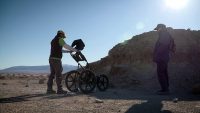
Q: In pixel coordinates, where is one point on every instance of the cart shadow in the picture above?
(30, 97)
(20, 98)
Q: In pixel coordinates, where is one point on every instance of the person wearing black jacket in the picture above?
(161, 56)
(55, 62)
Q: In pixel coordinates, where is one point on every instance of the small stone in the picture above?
(98, 101)
(197, 106)
(175, 100)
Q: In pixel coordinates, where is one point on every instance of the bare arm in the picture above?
(66, 46)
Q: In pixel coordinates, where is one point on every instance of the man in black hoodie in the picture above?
(55, 62)
(163, 48)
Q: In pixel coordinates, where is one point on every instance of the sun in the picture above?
(176, 4)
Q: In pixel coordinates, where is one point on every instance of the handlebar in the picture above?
(78, 56)
(66, 51)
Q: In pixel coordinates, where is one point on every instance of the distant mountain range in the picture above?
(35, 69)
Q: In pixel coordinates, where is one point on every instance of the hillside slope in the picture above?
(130, 63)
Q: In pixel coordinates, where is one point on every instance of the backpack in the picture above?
(78, 44)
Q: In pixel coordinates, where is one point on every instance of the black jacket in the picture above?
(164, 45)
(56, 49)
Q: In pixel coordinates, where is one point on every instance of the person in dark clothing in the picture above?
(55, 62)
(163, 48)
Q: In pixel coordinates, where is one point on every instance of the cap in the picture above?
(160, 26)
(61, 32)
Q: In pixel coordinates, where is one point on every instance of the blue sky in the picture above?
(28, 26)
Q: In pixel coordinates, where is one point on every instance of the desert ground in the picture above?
(27, 94)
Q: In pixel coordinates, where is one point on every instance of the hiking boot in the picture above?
(61, 92)
(163, 92)
(51, 92)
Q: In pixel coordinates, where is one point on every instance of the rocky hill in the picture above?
(130, 63)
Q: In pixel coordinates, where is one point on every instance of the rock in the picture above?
(119, 69)
(98, 101)
(175, 100)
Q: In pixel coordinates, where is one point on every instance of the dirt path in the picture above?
(15, 97)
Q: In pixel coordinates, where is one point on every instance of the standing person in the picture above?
(164, 46)
(55, 62)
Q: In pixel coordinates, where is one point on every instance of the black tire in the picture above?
(71, 80)
(102, 82)
(87, 81)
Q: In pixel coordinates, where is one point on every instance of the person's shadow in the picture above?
(29, 97)
(146, 102)
(151, 106)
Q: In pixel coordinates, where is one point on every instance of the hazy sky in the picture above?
(28, 26)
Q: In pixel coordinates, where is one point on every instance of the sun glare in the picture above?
(176, 4)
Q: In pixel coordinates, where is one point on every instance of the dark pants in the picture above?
(56, 71)
(162, 71)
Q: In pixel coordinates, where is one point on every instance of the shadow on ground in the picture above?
(151, 106)
(150, 102)
(30, 97)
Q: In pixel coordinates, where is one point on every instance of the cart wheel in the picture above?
(102, 82)
(87, 81)
(71, 81)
